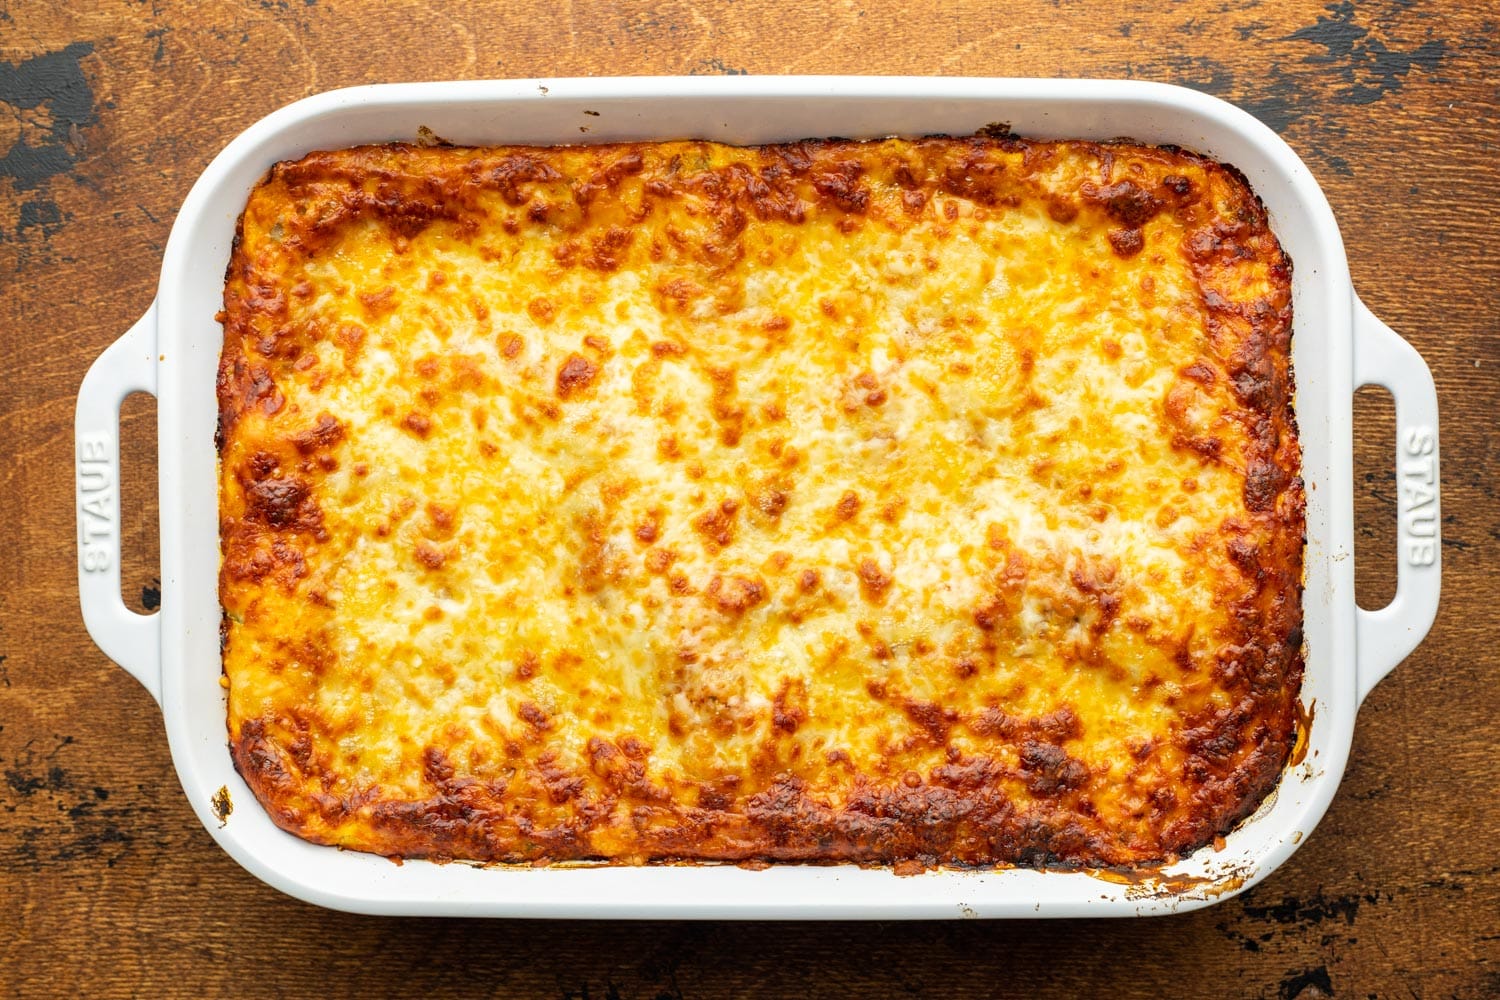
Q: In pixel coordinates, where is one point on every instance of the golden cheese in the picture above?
(927, 501)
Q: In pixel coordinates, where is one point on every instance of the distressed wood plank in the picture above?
(108, 114)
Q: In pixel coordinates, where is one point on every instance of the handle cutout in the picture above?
(1374, 498)
(140, 540)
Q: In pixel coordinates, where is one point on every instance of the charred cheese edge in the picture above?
(913, 501)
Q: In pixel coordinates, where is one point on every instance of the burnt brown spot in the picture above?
(934, 720)
(418, 423)
(542, 310)
(989, 614)
(1253, 382)
(1126, 202)
(442, 517)
(1264, 481)
(436, 768)
(607, 251)
(1200, 371)
(263, 465)
(593, 563)
(378, 303)
(736, 594)
(847, 506)
(770, 192)
(575, 375)
(1245, 556)
(1048, 769)
(1126, 243)
(726, 408)
(786, 712)
(430, 555)
(1097, 584)
(1061, 210)
(678, 292)
(770, 501)
(646, 531)
(974, 177)
(561, 783)
(326, 433)
(1056, 726)
(1216, 739)
(280, 503)
(712, 798)
(716, 525)
(842, 187)
(873, 581)
(1208, 448)
(515, 176)
(533, 715)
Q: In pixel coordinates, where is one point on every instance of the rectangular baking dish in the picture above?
(1338, 345)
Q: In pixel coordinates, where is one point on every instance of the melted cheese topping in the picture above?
(910, 500)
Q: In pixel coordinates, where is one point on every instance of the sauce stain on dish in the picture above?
(222, 805)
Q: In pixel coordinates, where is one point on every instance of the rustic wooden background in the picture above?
(109, 110)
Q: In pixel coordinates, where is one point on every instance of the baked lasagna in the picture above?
(913, 502)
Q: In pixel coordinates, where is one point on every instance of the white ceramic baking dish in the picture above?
(172, 352)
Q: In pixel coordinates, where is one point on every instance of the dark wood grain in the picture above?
(109, 886)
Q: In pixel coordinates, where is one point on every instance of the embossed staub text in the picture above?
(1419, 496)
(95, 508)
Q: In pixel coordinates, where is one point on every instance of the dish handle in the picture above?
(128, 365)
(1385, 637)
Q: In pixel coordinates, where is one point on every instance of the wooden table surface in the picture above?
(110, 887)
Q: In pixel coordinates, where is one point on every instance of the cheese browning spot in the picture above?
(575, 375)
(736, 594)
(912, 502)
(847, 506)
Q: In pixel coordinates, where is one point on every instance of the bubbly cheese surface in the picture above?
(927, 501)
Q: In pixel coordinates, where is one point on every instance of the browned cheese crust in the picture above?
(927, 502)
